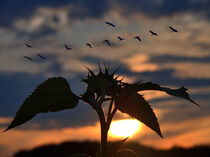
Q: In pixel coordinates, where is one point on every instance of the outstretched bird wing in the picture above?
(153, 33)
(173, 29)
(28, 58)
(41, 56)
(89, 45)
(110, 24)
(107, 41)
(68, 48)
(120, 38)
(27, 45)
(138, 38)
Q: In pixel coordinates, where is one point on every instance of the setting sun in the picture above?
(124, 128)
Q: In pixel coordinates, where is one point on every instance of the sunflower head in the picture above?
(104, 81)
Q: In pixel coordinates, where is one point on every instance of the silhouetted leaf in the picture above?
(126, 153)
(79, 155)
(180, 92)
(51, 96)
(136, 106)
(114, 147)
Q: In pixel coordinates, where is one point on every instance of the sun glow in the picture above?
(124, 128)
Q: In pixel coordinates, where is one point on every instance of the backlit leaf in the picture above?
(179, 92)
(136, 106)
(126, 153)
(51, 96)
(114, 147)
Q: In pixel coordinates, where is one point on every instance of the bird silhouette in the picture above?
(107, 42)
(138, 38)
(110, 24)
(67, 47)
(89, 45)
(152, 33)
(120, 38)
(173, 29)
(29, 46)
(28, 58)
(41, 56)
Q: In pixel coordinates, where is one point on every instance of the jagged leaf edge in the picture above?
(12, 124)
(155, 128)
(179, 92)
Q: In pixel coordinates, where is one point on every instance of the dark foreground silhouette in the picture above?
(67, 148)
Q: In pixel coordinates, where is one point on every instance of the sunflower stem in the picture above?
(110, 117)
(103, 124)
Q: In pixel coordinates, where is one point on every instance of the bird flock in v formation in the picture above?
(68, 48)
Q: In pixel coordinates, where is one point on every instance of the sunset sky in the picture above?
(169, 59)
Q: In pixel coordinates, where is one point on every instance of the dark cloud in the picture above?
(82, 115)
(44, 31)
(89, 9)
(14, 89)
(203, 46)
(11, 10)
(38, 33)
(176, 59)
(157, 8)
(184, 110)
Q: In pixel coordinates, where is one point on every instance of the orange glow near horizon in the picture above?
(124, 128)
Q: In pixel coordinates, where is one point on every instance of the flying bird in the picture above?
(29, 58)
(138, 38)
(107, 42)
(89, 45)
(152, 33)
(67, 47)
(110, 24)
(41, 56)
(173, 29)
(120, 38)
(29, 46)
